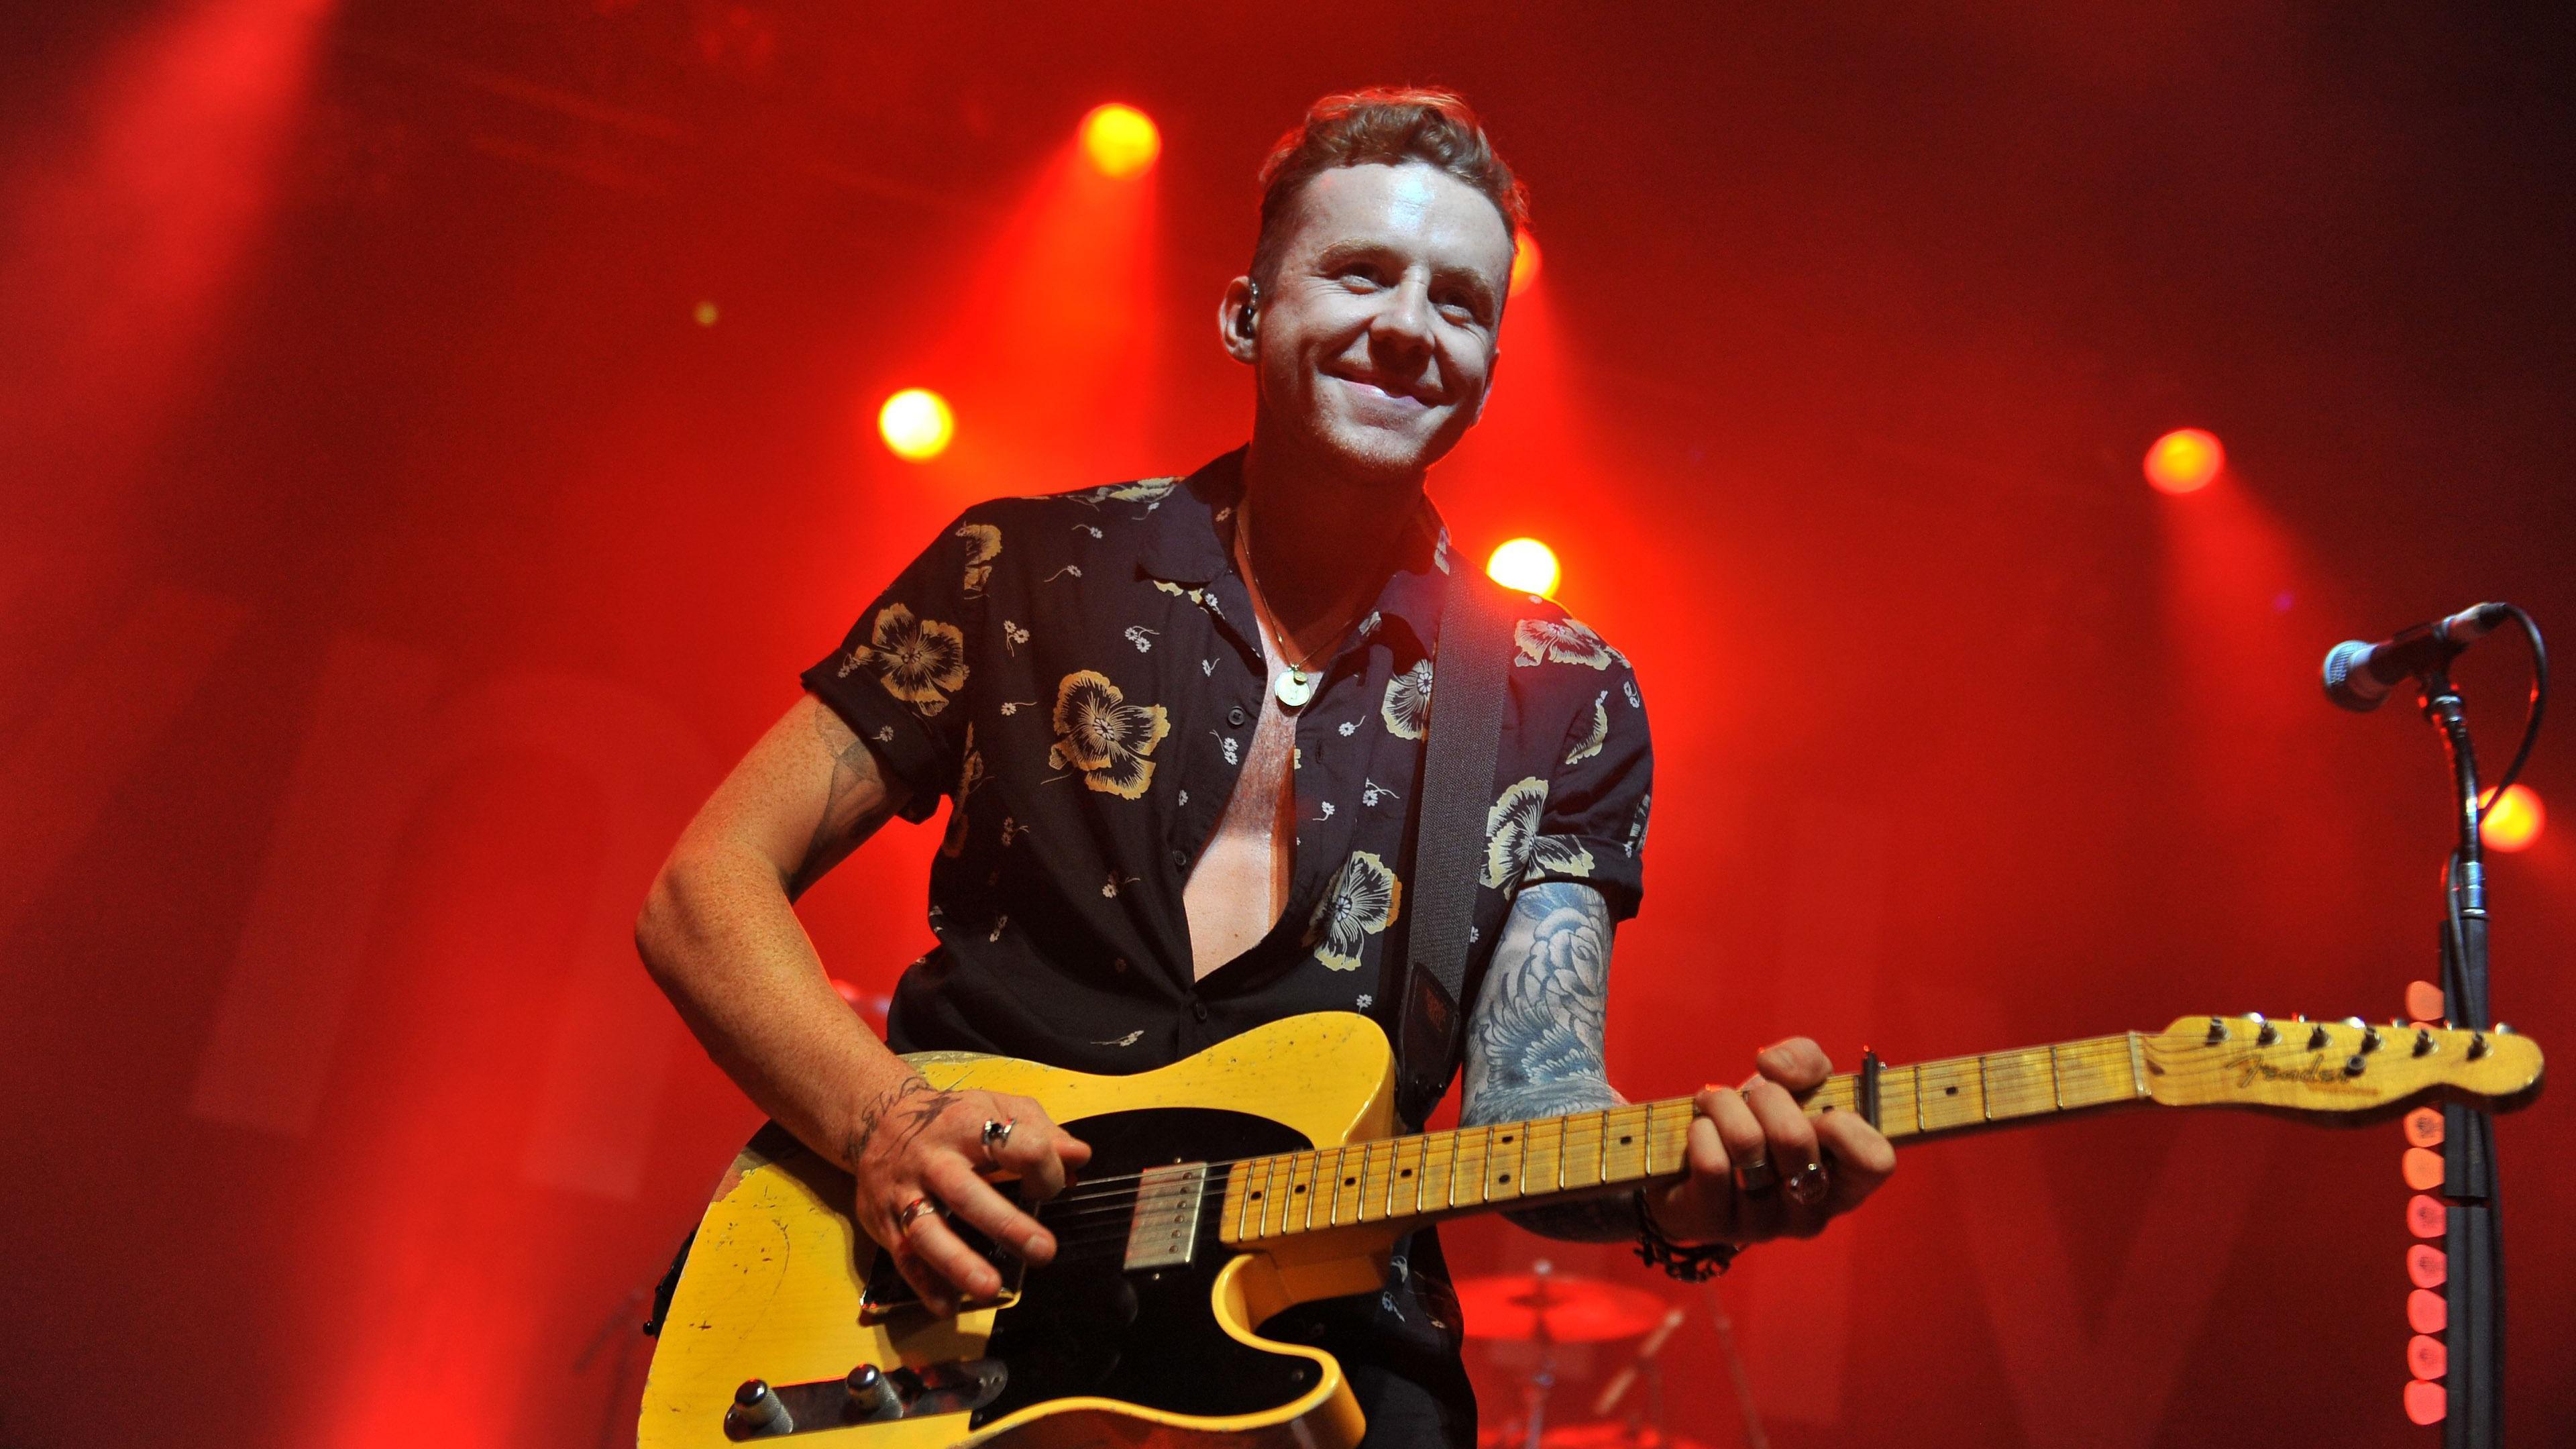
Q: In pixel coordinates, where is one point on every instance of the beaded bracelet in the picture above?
(1691, 1265)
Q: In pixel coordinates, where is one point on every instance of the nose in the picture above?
(1403, 325)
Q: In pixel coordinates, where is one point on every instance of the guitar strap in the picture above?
(1465, 734)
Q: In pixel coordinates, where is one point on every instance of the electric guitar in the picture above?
(1262, 1173)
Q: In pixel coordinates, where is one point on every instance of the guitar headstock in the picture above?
(2330, 1066)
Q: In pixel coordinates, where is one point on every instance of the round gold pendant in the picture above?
(1294, 687)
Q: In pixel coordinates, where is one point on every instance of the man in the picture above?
(1181, 725)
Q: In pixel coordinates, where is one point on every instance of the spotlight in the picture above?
(1525, 262)
(1524, 564)
(1121, 140)
(2513, 822)
(916, 424)
(2185, 460)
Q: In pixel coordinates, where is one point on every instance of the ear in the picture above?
(1229, 321)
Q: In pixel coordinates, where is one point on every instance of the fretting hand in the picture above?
(1760, 1167)
(921, 1154)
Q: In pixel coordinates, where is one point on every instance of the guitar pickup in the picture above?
(1165, 1230)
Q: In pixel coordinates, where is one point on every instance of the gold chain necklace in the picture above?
(1294, 687)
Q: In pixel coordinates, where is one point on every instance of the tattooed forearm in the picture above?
(1534, 1043)
(907, 1108)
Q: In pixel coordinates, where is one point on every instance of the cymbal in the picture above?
(1569, 1307)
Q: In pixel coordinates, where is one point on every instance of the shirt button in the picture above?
(1234, 716)
(1180, 857)
(1198, 1010)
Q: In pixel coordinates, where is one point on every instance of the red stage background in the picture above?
(436, 435)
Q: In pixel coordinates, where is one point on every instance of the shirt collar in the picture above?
(1190, 542)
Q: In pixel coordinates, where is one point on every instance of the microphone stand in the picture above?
(2472, 1248)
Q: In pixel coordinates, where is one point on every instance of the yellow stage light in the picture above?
(2513, 822)
(1524, 564)
(2185, 460)
(1121, 140)
(916, 424)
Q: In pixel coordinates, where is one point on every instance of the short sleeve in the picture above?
(898, 678)
(1592, 829)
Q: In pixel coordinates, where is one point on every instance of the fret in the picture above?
(1949, 1094)
(1579, 1152)
(1504, 1163)
(1377, 1178)
(2018, 1083)
(1543, 1160)
(2093, 1073)
(1506, 1154)
(1439, 1162)
(1900, 1112)
(1623, 1147)
(1467, 1168)
(1346, 1182)
(1668, 1136)
(1299, 1194)
(1271, 1218)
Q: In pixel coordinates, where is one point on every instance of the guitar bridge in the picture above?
(1165, 1230)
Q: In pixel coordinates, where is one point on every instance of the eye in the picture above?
(1364, 273)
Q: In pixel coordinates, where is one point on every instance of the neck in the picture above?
(1322, 541)
(1517, 1165)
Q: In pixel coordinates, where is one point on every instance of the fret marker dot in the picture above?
(1506, 1177)
(1624, 1141)
(1350, 1182)
(1301, 1187)
(1949, 1091)
(1408, 1172)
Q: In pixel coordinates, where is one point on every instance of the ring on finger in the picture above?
(1807, 1186)
(997, 1135)
(919, 1206)
(1757, 1176)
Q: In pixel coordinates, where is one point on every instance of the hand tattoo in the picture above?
(911, 1104)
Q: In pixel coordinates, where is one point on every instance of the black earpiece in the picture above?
(1243, 319)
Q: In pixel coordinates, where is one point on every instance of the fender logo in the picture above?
(2250, 1068)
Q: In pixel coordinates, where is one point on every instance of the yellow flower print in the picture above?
(1365, 899)
(1566, 641)
(1590, 744)
(983, 545)
(1103, 736)
(1407, 707)
(919, 661)
(1514, 850)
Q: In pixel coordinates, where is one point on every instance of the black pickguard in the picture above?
(1086, 1326)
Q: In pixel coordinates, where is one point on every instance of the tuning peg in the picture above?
(2370, 1038)
(2423, 1042)
(2477, 1045)
(2217, 1030)
(2354, 1021)
(2316, 1038)
(2265, 1032)
(2503, 1029)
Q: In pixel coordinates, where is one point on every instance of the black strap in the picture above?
(1467, 694)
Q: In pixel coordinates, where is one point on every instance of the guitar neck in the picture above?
(1512, 1165)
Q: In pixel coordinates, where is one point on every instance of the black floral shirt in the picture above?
(1080, 675)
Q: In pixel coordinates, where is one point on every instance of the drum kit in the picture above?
(1544, 1308)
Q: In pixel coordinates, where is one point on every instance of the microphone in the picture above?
(2358, 676)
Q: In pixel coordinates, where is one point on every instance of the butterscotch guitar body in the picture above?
(1089, 1351)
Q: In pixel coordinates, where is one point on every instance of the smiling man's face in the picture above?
(1376, 341)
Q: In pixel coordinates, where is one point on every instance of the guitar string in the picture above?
(2112, 1050)
(1085, 1241)
(2002, 1101)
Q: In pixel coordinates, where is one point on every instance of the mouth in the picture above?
(1384, 391)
